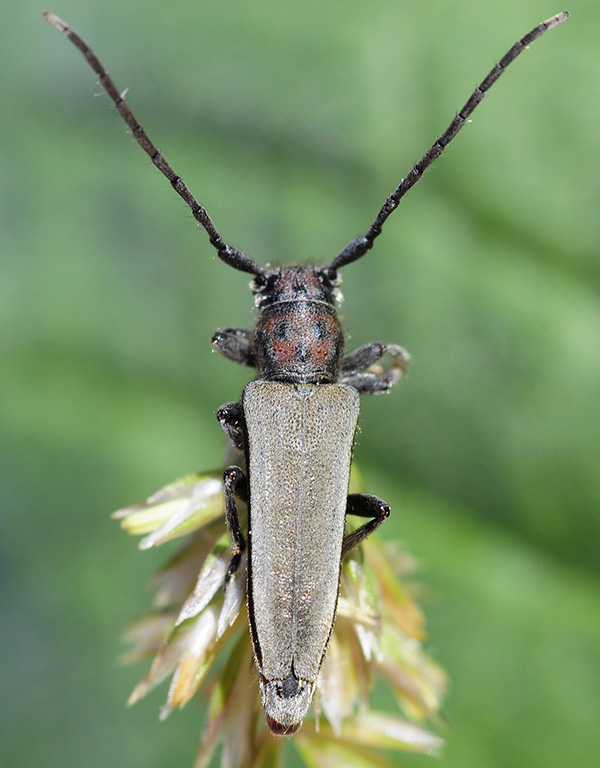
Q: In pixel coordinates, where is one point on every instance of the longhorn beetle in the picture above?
(295, 425)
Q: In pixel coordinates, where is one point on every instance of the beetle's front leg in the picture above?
(236, 344)
(379, 378)
(364, 505)
(236, 485)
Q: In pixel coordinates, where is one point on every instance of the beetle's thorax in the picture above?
(298, 336)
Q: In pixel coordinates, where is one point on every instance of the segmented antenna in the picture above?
(358, 247)
(228, 253)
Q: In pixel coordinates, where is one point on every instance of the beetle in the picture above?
(295, 426)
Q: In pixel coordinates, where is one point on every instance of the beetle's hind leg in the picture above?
(236, 485)
(378, 378)
(231, 416)
(364, 505)
(236, 344)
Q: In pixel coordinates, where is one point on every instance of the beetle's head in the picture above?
(296, 283)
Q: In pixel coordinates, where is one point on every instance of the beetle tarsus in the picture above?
(364, 505)
(369, 383)
(363, 357)
(378, 378)
(236, 344)
(231, 417)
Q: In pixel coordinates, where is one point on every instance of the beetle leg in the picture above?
(236, 344)
(231, 416)
(378, 378)
(236, 484)
(369, 383)
(364, 505)
(362, 358)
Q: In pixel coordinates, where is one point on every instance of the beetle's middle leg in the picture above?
(378, 378)
(236, 485)
(364, 505)
(231, 418)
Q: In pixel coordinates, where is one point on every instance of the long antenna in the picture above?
(228, 253)
(358, 247)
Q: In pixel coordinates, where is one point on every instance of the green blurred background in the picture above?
(291, 122)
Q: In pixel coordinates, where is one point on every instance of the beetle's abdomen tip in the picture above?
(286, 703)
(279, 729)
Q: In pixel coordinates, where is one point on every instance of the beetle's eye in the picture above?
(321, 331)
(282, 331)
